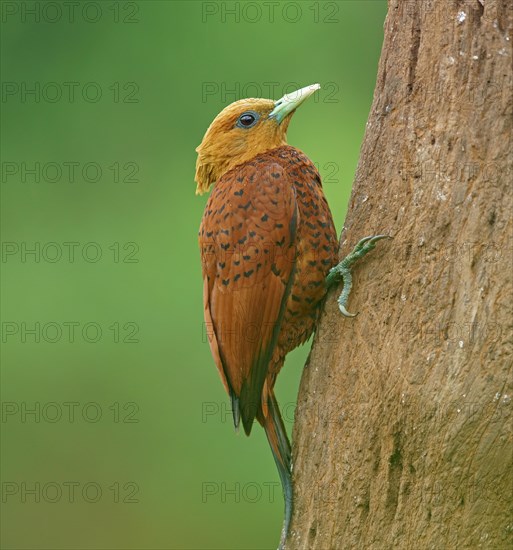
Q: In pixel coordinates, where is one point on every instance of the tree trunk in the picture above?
(403, 434)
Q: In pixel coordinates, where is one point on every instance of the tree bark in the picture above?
(403, 433)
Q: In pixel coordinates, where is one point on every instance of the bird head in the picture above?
(243, 130)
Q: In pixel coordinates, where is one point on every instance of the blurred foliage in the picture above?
(102, 108)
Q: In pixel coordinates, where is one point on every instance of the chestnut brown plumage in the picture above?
(268, 242)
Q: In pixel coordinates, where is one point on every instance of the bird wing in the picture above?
(247, 239)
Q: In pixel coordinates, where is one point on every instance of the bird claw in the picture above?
(343, 270)
(346, 313)
(366, 245)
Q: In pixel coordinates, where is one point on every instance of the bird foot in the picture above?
(342, 271)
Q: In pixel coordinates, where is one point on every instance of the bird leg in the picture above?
(342, 271)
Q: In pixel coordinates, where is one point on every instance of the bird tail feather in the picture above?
(280, 447)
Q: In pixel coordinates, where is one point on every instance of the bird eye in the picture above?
(247, 120)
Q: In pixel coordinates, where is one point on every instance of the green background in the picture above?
(165, 426)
